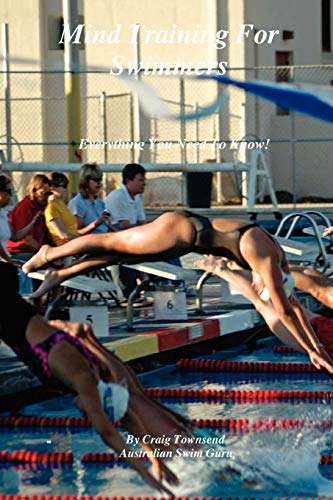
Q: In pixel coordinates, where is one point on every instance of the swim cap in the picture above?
(288, 285)
(114, 399)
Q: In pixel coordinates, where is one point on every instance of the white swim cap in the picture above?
(288, 285)
(265, 297)
(114, 399)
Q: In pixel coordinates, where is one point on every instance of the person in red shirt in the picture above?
(34, 202)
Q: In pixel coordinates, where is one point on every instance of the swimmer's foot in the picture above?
(51, 280)
(37, 261)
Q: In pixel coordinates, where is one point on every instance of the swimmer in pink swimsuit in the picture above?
(63, 361)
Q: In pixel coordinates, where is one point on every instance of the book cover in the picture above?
(226, 104)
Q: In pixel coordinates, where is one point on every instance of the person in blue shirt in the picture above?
(87, 206)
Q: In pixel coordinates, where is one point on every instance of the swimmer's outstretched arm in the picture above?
(242, 280)
(137, 429)
(317, 354)
(71, 367)
(293, 317)
(91, 404)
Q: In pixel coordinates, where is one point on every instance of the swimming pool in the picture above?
(280, 462)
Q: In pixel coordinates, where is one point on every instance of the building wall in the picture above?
(41, 112)
(304, 19)
(151, 15)
(25, 49)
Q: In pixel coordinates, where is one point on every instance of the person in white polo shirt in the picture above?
(125, 204)
(126, 207)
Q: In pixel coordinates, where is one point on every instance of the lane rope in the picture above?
(242, 396)
(22, 456)
(225, 424)
(213, 365)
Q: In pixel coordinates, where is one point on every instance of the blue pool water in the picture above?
(277, 463)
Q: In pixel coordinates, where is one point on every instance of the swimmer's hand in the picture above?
(208, 263)
(155, 483)
(212, 264)
(327, 231)
(162, 472)
(320, 359)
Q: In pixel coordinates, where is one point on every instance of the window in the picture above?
(283, 74)
(288, 35)
(55, 29)
(326, 25)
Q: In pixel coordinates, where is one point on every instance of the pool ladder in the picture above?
(322, 259)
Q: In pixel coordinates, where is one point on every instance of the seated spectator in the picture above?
(87, 204)
(125, 204)
(8, 234)
(127, 210)
(24, 212)
(60, 221)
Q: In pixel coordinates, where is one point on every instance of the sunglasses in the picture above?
(95, 179)
(7, 190)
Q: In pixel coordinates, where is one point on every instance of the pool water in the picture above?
(277, 463)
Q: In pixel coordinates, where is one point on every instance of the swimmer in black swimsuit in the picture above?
(224, 244)
(205, 239)
(174, 234)
(80, 364)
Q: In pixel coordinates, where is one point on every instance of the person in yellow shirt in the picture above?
(60, 221)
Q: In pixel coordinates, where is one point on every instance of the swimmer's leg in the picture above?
(170, 230)
(54, 277)
(314, 283)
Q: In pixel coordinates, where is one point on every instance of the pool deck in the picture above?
(151, 336)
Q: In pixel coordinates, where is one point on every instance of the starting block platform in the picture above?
(84, 285)
(81, 283)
